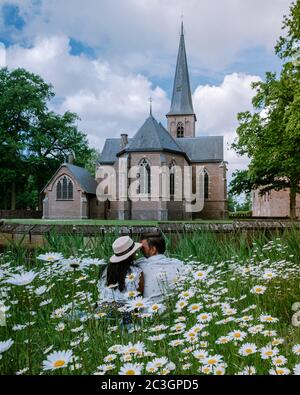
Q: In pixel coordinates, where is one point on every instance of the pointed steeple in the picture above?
(182, 103)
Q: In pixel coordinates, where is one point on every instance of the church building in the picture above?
(71, 193)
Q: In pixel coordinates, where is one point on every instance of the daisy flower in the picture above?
(223, 340)
(176, 343)
(268, 352)
(201, 355)
(151, 368)
(131, 369)
(200, 275)
(110, 358)
(181, 304)
(194, 308)
(279, 371)
(219, 370)
(207, 369)
(237, 335)
(137, 303)
(247, 349)
(258, 290)
(50, 257)
(204, 317)
(296, 349)
(297, 369)
(160, 362)
(155, 308)
(137, 348)
(279, 360)
(268, 318)
(268, 275)
(58, 360)
(22, 279)
(213, 360)
(4, 346)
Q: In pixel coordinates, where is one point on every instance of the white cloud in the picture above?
(217, 108)
(2, 55)
(107, 101)
(139, 34)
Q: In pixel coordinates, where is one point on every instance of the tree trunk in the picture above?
(13, 196)
(293, 195)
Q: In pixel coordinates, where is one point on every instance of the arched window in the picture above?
(206, 185)
(172, 168)
(180, 130)
(145, 177)
(64, 189)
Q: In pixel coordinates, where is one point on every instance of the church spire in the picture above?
(182, 103)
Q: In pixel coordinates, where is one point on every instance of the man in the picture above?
(160, 272)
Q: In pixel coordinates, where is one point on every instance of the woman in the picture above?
(120, 278)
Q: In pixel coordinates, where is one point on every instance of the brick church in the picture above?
(71, 193)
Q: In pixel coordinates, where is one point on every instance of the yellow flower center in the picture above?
(211, 361)
(269, 353)
(130, 372)
(195, 307)
(59, 363)
(248, 350)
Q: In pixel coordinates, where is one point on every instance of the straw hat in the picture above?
(123, 248)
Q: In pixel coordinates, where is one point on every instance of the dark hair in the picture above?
(117, 272)
(155, 240)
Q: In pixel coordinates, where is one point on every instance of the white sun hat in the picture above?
(123, 248)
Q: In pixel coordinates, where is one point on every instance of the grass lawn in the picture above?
(106, 222)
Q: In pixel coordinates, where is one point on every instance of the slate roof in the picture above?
(82, 176)
(153, 137)
(110, 151)
(182, 103)
(197, 149)
(203, 149)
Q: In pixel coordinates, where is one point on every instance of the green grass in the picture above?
(225, 255)
(106, 222)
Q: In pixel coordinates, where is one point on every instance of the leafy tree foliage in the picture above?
(271, 135)
(34, 141)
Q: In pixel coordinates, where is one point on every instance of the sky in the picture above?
(106, 58)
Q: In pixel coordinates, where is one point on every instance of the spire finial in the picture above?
(150, 101)
(182, 29)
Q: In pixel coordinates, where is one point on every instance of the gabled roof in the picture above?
(182, 103)
(81, 175)
(110, 151)
(203, 149)
(152, 136)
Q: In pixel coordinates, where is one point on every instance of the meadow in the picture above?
(235, 309)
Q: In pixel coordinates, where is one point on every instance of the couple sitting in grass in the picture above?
(126, 277)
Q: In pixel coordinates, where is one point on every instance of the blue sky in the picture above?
(105, 58)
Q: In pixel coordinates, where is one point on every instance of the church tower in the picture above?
(181, 117)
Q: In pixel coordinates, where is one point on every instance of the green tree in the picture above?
(271, 135)
(34, 141)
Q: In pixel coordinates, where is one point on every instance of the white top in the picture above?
(107, 294)
(160, 272)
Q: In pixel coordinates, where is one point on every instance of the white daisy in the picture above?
(50, 257)
(4, 346)
(247, 349)
(130, 369)
(58, 360)
(22, 279)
